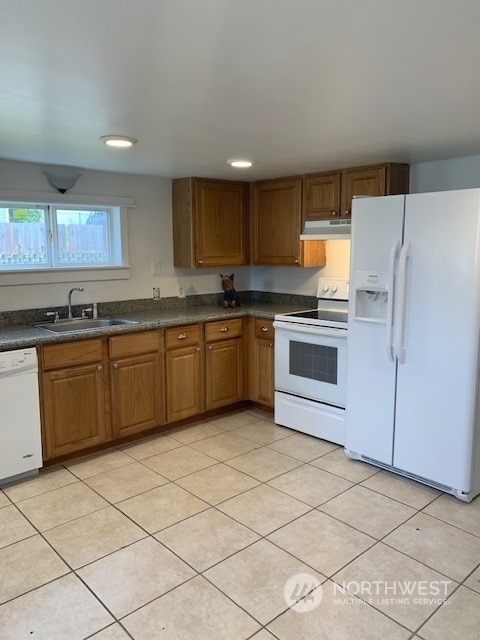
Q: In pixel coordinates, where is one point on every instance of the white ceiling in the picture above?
(296, 85)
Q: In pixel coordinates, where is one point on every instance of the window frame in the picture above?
(119, 269)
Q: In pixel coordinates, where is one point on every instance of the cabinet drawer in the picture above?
(72, 353)
(264, 329)
(133, 344)
(182, 336)
(223, 329)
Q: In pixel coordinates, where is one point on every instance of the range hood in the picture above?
(327, 230)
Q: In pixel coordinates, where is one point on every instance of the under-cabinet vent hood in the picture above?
(327, 230)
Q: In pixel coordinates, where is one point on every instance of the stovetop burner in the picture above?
(321, 315)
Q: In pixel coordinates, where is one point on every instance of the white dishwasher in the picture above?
(20, 437)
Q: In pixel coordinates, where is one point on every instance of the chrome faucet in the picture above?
(70, 314)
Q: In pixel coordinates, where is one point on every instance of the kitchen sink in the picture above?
(82, 324)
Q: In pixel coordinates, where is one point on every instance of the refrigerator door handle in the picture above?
(391, 292)
(402, 314)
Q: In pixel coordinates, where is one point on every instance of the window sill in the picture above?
(67, 274)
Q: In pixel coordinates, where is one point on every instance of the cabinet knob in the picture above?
(297, 261)
(210, 347)
(223, 329)
(182, 336)
(200, 262)
(270, 344)
(347, 212)
(334, 213)
(264, 329)
(198, 348)
(115, 365)
(99, 368)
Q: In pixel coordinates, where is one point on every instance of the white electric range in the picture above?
(311, 364)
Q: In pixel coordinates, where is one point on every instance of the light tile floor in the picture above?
(230, 530)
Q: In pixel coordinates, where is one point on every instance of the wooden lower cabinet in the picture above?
(184, 382)
(100, 390)
(136, 394)
(74, 415)
(261, 362)
(224, 373)
(263, 377)
(136, 382)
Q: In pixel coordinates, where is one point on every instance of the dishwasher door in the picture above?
(20, 435)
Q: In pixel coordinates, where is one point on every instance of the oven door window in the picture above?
(313, 361)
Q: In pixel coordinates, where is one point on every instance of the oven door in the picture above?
(311, 362)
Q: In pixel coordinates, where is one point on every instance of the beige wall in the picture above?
(149, 233)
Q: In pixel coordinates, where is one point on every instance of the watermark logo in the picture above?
(391, 592)
(303, 592)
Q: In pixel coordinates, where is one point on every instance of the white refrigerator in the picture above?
(413, 338)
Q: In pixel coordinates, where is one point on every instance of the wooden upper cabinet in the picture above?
(209, 222)
(377, 180)
(321, 195)
(277, 224)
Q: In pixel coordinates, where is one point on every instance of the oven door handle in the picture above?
(330, 332)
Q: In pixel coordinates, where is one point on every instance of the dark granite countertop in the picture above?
(21, 336)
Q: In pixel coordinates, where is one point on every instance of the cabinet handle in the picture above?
(264, 329)
(270, 344)
(223, 329)
(198, 348)
(347, 212)
(210, 347)
(115, 365)
(334, 213)
(297, 261)
(182, 336)
(99, 368)
(200, 262)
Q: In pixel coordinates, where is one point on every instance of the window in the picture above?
(59, 237)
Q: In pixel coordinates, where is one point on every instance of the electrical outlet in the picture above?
(181, 290)
(156, 266)
(156, 293)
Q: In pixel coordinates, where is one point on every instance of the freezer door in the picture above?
(437, 384)
(377, 225)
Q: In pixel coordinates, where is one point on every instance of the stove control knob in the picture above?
(326, 288)
(334, 288)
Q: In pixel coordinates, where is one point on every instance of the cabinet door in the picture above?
(137, 394)
(221, 223)
(184, 383)
(363, 181)
(263, 372)
(277, 221)
(321, 196)
(73, 409)
(224, 372)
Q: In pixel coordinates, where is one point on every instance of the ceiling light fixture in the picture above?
(119, 142)
(240, 164)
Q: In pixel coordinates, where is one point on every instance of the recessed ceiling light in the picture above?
(240, 164)
(120, 142)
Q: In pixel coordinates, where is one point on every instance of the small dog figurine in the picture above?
(230, 297)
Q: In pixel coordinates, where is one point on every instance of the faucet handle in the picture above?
(53, 314)
(85, 311)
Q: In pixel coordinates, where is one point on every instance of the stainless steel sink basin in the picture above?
(82, 324)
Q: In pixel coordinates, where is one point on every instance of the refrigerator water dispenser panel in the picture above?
(371, 296)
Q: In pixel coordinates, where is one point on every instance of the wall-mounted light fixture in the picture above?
(61, 178)
(119, 142)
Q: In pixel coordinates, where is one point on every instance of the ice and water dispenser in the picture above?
(370, 296)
